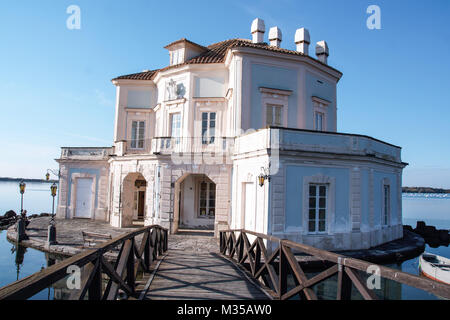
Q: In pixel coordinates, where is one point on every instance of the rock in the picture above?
(443, 235)
(420, 225)
(45, 215)
(407, 227)
(433, 242)
(9, 214)
(430, 232)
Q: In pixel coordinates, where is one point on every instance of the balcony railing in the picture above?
(316, 141)
(167, 145)
(269, 138)
(86, 153)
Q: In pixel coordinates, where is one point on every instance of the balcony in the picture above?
(85, 153)
(286, 139)
(168, 145)
(283, 139)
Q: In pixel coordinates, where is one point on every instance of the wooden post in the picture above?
(257, 258)
(95, 288)
(240, 247)
(344, 285)
(166, 240)
(282, 273)
(147, 253)
(154, 245)
(130, 268)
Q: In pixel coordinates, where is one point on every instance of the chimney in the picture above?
(302, 40)
(275, 37)
(322, 52)
(258, 29)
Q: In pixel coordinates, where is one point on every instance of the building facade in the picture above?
(238, 134)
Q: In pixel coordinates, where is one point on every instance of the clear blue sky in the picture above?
(56, 91)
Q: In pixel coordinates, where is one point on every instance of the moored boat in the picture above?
(435, 267)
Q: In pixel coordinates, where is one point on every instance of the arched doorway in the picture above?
(195, 203)
(134, 208)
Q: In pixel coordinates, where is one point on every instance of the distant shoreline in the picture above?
(424, 190)
(6, 179)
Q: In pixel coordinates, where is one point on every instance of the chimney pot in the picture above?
(322, 51)
(302, 40)
(258, 29)
(275, 37)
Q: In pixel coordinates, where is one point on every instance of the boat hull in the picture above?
(435, 267)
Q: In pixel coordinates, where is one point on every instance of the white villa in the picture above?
(238, 134)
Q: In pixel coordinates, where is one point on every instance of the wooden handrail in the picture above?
(153, 244)
(272, 270)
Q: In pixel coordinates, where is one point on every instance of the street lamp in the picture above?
(265, 175)
(20, 227)
(54, 172)
(22, 186)
(51, 238)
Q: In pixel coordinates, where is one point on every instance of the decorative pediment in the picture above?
(320, 178)
(320, 102)
(273, 91)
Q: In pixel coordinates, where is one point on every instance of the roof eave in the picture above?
(119, 82)
(304, 58)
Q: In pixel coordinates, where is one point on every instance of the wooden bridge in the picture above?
(249, 265)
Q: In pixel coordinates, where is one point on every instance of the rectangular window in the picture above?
(208, 127)
(317, 209)
(176, 57)
(319, 121)
(386, 204)
(176, 127)
(207, 199)
(274, 115)
(137, 134)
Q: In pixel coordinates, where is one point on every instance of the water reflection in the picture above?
(19, 257)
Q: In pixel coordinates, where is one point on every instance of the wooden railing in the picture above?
(122, 274)
(273, 269)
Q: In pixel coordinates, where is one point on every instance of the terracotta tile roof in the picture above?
(187, 41)
(216, 53)
(145, 75)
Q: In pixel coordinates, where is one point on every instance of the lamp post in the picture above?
(20, 227)
(22, 186)
(51, 237)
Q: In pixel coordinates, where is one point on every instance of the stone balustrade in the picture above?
(86, 153)
(315, 141)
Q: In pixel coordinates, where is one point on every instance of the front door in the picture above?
(83, 206)
(141, 205)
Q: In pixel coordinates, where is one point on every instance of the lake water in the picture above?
(16, 263)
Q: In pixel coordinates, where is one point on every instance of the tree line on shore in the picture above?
(424, 190)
